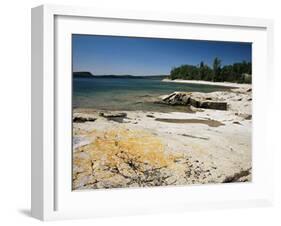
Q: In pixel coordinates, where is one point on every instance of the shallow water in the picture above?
(129, 93)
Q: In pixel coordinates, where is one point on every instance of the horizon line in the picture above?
(160, 74)
(120, 74)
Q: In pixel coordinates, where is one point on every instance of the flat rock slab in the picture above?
(81, 118)
(122, 157)
(113, 115)
(116, 116)
(198, 100)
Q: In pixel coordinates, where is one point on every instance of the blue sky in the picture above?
(149, 56)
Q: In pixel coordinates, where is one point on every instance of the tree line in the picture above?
(237, 72)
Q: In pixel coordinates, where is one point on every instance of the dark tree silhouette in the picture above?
(216, 70)
(237, 72)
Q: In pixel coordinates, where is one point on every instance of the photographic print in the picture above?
(159, 112)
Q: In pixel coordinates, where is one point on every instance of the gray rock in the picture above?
(248, 117)
(81, 119)
(177, 98)
(197, 100)
(112, 115)
(79, 141)
(243, 175)
(117, 117)
(214, 105)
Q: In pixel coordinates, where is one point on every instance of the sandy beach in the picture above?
(200, 82)
(114, 149)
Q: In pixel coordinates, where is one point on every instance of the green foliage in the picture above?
(217, 70)
(237, 72)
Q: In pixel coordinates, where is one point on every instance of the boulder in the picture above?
(116, 117)
(214, 105)
(194, 102)
(83, 118)
(113, 115)
(197, 100)
(177, 98)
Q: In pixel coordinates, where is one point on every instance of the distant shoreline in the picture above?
(200, 82)
(86, 74)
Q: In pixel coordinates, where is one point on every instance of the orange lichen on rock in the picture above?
(131, 158)
(139, 145)
(120, 156)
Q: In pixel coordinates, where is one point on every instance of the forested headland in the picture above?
(240, 72)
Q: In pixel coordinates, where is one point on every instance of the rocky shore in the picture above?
(210, 144)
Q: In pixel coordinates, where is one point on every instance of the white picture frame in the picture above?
(52, 197)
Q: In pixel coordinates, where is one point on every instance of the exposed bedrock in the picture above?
(80, 118)
(122, 157)
(198, 100)
(117, 117)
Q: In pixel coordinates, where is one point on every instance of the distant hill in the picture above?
(86, 74)
(132, 76)
(83, 74)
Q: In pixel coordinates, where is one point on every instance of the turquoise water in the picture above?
(129, 93)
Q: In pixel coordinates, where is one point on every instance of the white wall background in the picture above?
(15, 111)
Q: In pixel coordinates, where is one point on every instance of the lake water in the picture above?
(129, 93)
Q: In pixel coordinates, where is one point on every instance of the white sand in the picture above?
(224, 84)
